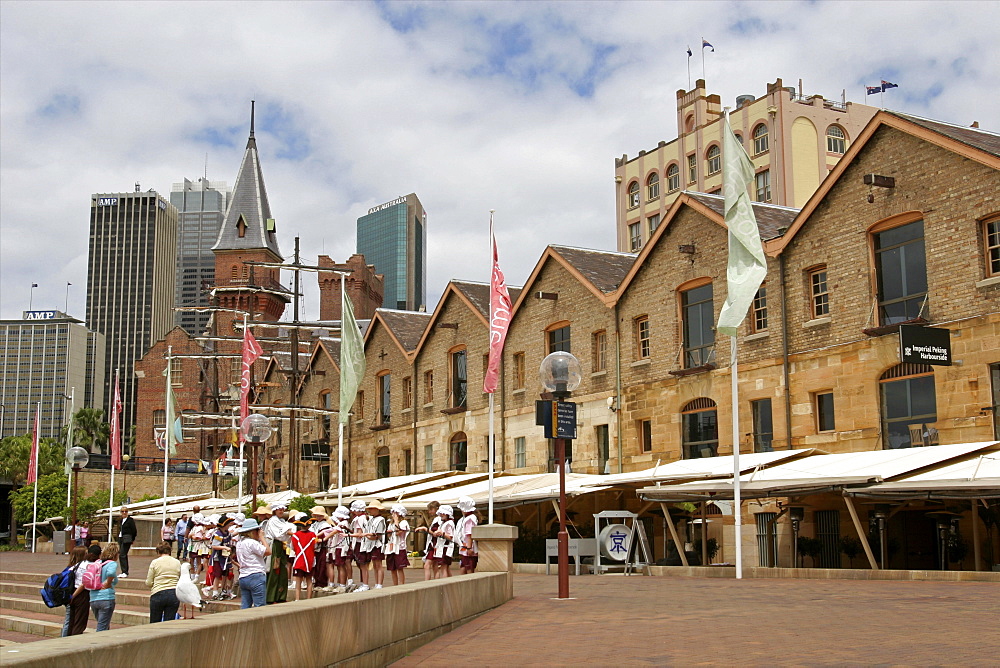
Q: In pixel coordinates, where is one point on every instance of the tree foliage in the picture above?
(303, 503)
(15, 453)
(51, 498)
(90, 431)
(87, 507)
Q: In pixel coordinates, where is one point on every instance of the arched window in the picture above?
(653, 186)
(836, 140)
(689, 123)
(714, 158)
(701, 429)
(739, 137)
(633, 194)
(459, 452)
(673, 177)
(909, 406)
(382, 462)
(760, 144)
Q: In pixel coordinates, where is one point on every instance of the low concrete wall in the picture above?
(372, 628)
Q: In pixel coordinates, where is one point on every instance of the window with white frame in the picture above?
(634, 237)
(653, 186)
(633, 194)
(758, 321)
(836, 140)
(763, 182)
(714, 159)
(520, 453)
(673, 178)
(642, 337)
(692, 168)
(653, 222)
(760, 143)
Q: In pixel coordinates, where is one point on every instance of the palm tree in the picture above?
(90, 431)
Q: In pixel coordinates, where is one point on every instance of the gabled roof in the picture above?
(405, 327)
(478, 295)
(771, 221)
(249, 208)
(599, 271)
(972, 143)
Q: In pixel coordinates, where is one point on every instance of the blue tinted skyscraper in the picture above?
(393, 237)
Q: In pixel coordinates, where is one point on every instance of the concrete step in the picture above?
(121, 615)
(35, 627)
(134, 584)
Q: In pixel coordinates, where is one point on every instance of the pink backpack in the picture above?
(92, 576)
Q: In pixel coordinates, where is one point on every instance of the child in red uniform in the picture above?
(304, 557)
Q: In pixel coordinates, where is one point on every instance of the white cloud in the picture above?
(472, 107)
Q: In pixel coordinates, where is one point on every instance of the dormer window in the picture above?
(241, 226)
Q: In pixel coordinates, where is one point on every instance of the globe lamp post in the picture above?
(560, 375)
(78, 458)
(256, 429)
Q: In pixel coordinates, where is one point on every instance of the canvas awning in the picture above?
(703, 468)
(976, 478)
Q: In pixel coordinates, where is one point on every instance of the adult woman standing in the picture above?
(164, 571)
(126, 536)
(167, 532)
(78, 606)
(102, 601)
(250, 555)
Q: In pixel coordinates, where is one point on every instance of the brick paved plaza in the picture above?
(639, 620)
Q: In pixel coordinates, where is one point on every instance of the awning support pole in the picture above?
(673, 533)
(975, 535)
(861, 533)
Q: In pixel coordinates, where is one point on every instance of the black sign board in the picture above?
(925, 345)
(560, 413)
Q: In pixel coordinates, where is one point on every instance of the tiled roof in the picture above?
(284, 359)
(249, 201)
(983, 140)
(770, 217)
(406, 326)
(332, 346)
(479, 294)
(604, 269)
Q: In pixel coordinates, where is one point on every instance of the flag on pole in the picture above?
(500, 308)
(33, 457)
(251, 351)
(352, 358)
(873, 90)
(705, 43)
(689, 52)
(116, 430)
(886, 85)
(747, 266)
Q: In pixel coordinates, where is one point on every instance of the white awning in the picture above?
(705, 467)
(974, 478)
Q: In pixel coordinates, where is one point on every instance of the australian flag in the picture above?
(873, 90)
(704, 43)
(886, 85)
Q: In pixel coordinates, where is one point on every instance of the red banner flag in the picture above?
(251, 351)
(116, 429)
(500, 308)
(33, 459)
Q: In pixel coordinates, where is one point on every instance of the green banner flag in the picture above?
(747, 266)
(352, 358)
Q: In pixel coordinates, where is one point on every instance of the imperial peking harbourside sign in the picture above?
(925, 345)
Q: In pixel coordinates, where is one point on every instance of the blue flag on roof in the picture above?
(886, 85)
(873, 90)
(705, 43)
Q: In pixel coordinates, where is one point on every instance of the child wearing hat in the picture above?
(359, 520)
(278, 532)
(338, 547)
(435, 523)
(221, 563)
(468, 552)
(196, 536)
(320, 527)
(251, 553)
(444, 546)
(303, 556)
(395, 546)
(373, 540)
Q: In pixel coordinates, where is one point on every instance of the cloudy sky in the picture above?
(515, 106)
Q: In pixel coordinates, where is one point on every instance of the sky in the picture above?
(520, 107)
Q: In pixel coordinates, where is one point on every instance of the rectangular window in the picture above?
(763, 183)
(407, 462)
(359, 406)
(407, 393)
(428, 459)
(602, 436)
(384, 382)
(519, 371)
(653, 187)
(698, 314)
(901, 269)
(758, 323)
(428, 387)
(459, 455)
(692, 168)
(991, 235)
(820, 295)
(459, 379)
(520, 453)
(763, 428)
(642, 337)
(600, 352)
(646, 435)
(634, 237)
(324, 476)
(176, 371)
(558, 340)
(824, 411)
(653, 222)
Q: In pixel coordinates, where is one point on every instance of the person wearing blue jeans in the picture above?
(102, 601)
(250, 555)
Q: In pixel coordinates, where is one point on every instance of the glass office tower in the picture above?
(393, 237)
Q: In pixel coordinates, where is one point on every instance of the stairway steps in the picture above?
(122, 614)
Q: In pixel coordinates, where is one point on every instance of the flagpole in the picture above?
(69, 444)
(340, 463)
(170, 426)
(492, 450)
(689, 68)
(703, 58)
(114, 416)
(737, 510)
(239, 429)
(34, 502)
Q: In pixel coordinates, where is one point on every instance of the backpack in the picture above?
(59, 587)
(92, 579)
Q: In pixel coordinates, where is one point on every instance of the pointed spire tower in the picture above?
(248, 234)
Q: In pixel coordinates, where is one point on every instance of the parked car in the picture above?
(187, 466)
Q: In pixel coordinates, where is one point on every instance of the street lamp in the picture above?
(78, 458)
(560, 375)
(125, 459)
(256, 429)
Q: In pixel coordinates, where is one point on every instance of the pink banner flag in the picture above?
(33, 459)
(251, 351)
(116, 429)
(500, 308)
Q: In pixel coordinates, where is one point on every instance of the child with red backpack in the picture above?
(100, 579)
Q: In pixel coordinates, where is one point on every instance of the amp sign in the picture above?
(107, 201)
(39, 315)
(925, 345)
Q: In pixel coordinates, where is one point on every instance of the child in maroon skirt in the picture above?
(395, 546)
(304, 557)
(468, 551)
(435, 522)
(339, 546)
(444, 545)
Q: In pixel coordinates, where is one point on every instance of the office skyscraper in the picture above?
(130, 282)
(393, 237)
(201, 206)
(46, 357)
